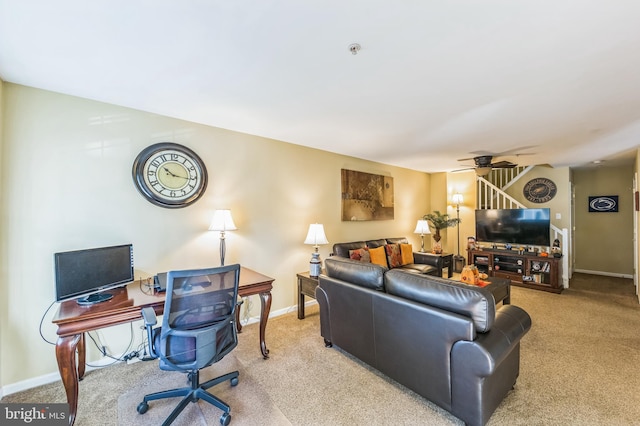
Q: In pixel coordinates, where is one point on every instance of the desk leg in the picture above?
(66, 356)
(265, 308)
(238, 325)
(81, 357)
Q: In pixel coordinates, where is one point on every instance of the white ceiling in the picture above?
(435, 80)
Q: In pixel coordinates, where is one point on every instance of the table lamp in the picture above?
(222, 221)
(422, 228)
(316, 237)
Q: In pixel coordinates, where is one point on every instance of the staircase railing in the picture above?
(491, 196)
(504, 178)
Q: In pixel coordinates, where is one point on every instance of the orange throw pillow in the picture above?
(378, 256)
(406, 250)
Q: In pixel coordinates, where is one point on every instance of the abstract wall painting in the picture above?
(366, 196)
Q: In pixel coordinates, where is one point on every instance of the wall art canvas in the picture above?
(603, 204)
(366, 196)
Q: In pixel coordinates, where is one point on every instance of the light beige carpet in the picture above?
(250, 405)
(580, 365)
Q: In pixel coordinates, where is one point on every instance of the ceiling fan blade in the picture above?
(463, 170)
(503, 165)
(515, 151)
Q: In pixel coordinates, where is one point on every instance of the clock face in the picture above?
(169, 175)
(539, 190)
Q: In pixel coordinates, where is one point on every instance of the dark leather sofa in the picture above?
(443, 339)
(423, 263)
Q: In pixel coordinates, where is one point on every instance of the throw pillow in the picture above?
(406, 250)
(361, 255)
(378, 256)
(393, 255)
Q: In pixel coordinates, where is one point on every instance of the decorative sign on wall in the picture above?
(603, 204)
(366, 196)
(539, 190)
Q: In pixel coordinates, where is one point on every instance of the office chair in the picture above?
(198, 329)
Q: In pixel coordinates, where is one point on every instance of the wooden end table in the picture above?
(306, 287)
(445, 260)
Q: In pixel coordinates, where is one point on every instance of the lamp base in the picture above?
(315, 265)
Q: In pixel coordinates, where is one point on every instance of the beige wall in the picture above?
(464, 184)
(3, 265)
(604, 241)
(636, 220)
(558, 205)
(66, 184)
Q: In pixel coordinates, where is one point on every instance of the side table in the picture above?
(445, 260)
(306, 287)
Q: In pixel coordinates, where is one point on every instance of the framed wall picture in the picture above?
(603, 204)
(366, 196)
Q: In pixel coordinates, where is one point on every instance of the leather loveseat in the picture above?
(441, 338)
(421, 263)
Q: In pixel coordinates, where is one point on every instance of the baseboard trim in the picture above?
(606, 274)
(54, 377)
(30, 383)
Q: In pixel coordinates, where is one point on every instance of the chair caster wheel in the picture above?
(234, 381)
(143, 407)
(225, 419)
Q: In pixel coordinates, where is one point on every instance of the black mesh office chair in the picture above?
(198, 329)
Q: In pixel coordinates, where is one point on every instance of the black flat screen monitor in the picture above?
(514, 226)
(84, 274)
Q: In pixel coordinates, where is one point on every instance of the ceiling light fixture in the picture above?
(483, 171)
(354, 48)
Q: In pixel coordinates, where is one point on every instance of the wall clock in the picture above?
(169, 175)
(539, 190)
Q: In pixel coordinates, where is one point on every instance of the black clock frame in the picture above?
(137, 172)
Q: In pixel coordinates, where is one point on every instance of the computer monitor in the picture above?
(86, 274)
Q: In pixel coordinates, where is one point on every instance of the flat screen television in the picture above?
(85, 274)
(514, 226)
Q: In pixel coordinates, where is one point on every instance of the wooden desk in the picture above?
(74, 320)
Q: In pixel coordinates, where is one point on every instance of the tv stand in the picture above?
(94, 298)
(523, 270)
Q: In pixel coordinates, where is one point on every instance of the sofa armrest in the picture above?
(484, 370)
(325, 324)
(483, 355)
(427, 259)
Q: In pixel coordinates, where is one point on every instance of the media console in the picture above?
(524, 270)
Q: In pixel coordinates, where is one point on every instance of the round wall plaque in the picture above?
(539, 190)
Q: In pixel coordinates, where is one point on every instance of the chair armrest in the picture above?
(427, 259)
(149, 317)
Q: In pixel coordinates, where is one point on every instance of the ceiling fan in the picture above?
(483, 161)
(484, 165)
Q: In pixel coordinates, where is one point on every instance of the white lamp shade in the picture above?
(316, 235)
(222, 221)
(422, 227)
(457, 199)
